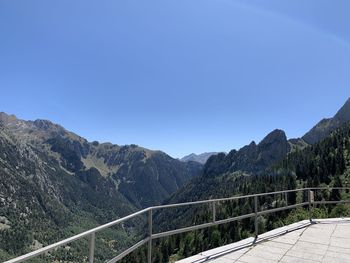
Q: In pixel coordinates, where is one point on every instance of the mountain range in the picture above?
(325, 163)
(274, 147)
(319, 158)
(255, 158)
(142, 176)
(72, 184)
(54, 183)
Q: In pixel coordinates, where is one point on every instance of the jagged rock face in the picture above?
(252, 158)
(42, 201)
(52, 179)
(273, 148)
(30, 176)
(326, 126)
(143, 176)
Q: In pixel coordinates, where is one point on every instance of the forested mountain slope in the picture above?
(42, 203)
(257, 159)
(54, 183)
(133, 169)
(79, 181)
(324, 163)
(251, 158)
(317, 164)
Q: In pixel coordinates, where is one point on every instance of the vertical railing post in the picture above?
(310, 197)
(256, 216)
(92, 248)
(214, 212)
(286, 197)
(149, 254)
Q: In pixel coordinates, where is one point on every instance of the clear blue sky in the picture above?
(181, 76)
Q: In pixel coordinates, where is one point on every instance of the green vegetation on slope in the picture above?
(322, 164)
(54, 184)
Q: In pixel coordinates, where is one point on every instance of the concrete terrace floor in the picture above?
(326, 240)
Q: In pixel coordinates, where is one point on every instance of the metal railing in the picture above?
(91, 234)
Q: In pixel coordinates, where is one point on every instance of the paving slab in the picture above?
(324, 240)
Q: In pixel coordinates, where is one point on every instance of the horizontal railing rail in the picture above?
(151, 236)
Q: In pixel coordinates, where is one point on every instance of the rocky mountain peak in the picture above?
(276, 136)
(253, 143)
(249, 149)
(273, 148)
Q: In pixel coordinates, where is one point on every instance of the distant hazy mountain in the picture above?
(200, 158)
(326, 126)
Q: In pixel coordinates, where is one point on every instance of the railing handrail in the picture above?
(91, 232)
